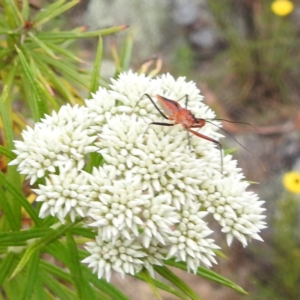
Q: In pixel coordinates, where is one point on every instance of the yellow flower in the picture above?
(282, 7)
(291, 182)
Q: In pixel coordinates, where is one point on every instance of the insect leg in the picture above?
(211, 140)
(189, 139)
(155, 105)
(199, 126)
(162, 124)
(158, 123)
(186, 100)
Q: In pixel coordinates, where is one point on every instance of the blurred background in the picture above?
(244, 55)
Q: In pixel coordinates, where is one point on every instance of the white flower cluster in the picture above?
(58, 141)
(154, 186)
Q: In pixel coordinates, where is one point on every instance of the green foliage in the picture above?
(283, 257)
(184, 60)
(263, 48)
(36, 64)
(38, 67)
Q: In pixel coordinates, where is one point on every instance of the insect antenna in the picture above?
(234, 122)
(262, 165)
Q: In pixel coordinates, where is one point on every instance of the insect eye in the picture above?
(200, 121)
(177, 105)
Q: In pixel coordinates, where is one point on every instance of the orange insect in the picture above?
(183, 116)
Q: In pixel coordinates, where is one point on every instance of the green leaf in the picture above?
(43, 46)
(10, 238)
(208, 274)
(108, 31)
(57, 82)
(45, 12)
(31, 274)
(25, 10)
(7, 119)
(213, 276)
(20, 198)
(43, 89)
(116, 59)
(148, 279)
(85, 232)
(65, 35)
(179, 283)
(11, 33)
(64, 51)
(52, 11)
(251, 182)
(95, 160)
(13, 15)
(96, 70)
(36, 100)
(229, 151)
(57, 288)
(65, 276)
(74, 267)
(220, 254)
(14, 287)
(55, 271)
(29, 97)
(58, 251)
(8, 84)
(164, 287)
(6, 266)
(39, 290)
(9, 136)
(5, 52)
(9, 214)
(40, 244)
(127, 53)
(103, 285)
(8, 153)
(66, 69)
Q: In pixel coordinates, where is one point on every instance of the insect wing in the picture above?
(168, 106)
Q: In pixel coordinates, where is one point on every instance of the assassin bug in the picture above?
(183, 116)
